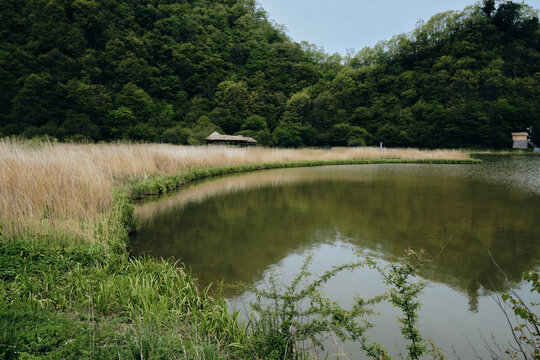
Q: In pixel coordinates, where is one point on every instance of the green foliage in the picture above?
(357, 136)
(299, 314)
(92, 71)
(123, 208)
(346, 135)
(231, 107)
(404, 295)
(177, 135)
(288, 135)
(32, 334)
(202, 128)
(39, 258)
(297, 108)
(527, 330)
(84, 302)
(255, 122)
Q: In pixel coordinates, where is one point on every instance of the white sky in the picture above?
(338, 25)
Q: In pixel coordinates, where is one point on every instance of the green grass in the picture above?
(147, 304)
(68, 299)
(160, 184)
(515, 152)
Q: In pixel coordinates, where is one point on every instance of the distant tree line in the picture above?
(176, 70)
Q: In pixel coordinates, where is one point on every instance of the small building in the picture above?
(521, 140)
(216, 138)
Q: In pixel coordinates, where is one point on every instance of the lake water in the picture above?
(478, 223)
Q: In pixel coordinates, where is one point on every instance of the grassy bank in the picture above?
(514, 152)
(159, 184)
(62, 298)
(68, 288)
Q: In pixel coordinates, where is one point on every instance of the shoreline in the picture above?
(160, 184)
(93, 299)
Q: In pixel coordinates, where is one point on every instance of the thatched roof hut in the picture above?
(216, 138)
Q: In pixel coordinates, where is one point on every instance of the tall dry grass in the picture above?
(51, 188)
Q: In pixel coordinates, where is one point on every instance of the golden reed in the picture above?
(54, 188)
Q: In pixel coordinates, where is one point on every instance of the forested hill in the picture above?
(176, 70)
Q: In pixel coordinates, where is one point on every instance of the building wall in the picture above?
(216, 142)
(520, 144)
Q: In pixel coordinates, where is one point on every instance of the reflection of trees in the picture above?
(237, 235)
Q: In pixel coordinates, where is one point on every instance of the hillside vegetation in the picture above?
(174, 71)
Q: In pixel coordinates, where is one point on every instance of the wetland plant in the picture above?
(294, 320)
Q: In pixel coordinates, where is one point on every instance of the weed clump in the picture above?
(293, 321)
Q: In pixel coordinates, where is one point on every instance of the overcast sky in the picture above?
(338, 25)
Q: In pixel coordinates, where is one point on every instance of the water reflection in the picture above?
(464, 216)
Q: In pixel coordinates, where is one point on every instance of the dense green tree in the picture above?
(231, 109)
(202, 128)
(177, 135)
(174, 71)
(288, 135)
(297, 108)
(255, 122)
(36, 102)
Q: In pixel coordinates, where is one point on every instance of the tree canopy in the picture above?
(172, 70)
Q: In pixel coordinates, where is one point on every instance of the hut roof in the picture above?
(520, 133)
(215, 136)
(249, 139)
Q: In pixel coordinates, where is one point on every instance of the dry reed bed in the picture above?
(66, 188)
